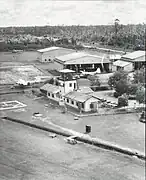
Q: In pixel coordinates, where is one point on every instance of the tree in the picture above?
(121, 86)
(139, 76)
(140, 94)
(94, 82)
(132, 89)
(123, 101)
(116, 77)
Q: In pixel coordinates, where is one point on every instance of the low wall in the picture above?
(83, 138)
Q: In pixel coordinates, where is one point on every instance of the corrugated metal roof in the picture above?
(85, 90)
(47, 49)
(50, 88)
(88, 59)
(77, 96)
(71, 56)
(121, 63)
(134, 55)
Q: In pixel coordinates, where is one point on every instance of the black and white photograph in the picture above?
(72, 89)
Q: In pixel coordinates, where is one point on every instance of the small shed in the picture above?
(122, 65)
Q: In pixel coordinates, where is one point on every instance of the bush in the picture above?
(132, 89)
(122, 101)
(116, 94)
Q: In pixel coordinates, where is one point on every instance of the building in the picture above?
(89, 63)
(68, 57)
(114, 57)
(49, 54)
(52, 91)
(67, 81)
(81, 101)
(137, 58)
(80, 61)
(122, 65)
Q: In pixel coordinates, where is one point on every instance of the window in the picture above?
(67, 100)
(74, 85)
(48, 94)
(72, 102)
(77, 104)
(83, 105)
(91, 106)
(70, 84)
(45, 59)
(53, 95)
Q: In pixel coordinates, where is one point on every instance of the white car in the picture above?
(71, 140)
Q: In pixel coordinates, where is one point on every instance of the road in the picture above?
(30, 154)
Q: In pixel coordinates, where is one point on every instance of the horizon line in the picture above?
(71, 25)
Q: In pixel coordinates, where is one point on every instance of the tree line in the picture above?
(125, 36)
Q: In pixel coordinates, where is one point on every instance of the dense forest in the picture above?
(117, 35)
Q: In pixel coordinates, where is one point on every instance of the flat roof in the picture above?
(121, 63)
(88, 59)
(47, 49)
(71, 56)
(66, 71)
(134, 55)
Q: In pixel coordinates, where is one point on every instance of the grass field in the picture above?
(11, 74)
(29, 154)
(124, 129)
(26, 56)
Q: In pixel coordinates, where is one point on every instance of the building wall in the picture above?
(46, 57)
(55, 98)
(39, 56)
(68, 85)
(88, 102)
(86, 108)
(127, 68)
(74, 105)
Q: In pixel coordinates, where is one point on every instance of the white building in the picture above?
(137, 58)
(53, 92)
(80, 61)
(78, 100)
(69, 83)
(122, 65)
(49, 54)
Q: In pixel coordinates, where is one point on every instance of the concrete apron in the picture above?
(82, 137)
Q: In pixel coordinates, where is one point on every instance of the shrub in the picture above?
(140, 94)
(132, 89)
(122, 101)
(116, 94)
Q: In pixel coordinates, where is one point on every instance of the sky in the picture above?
(49, 12)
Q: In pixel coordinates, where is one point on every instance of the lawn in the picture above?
(26, 56)
(30, 154)
(125, 129)
(11, 74)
